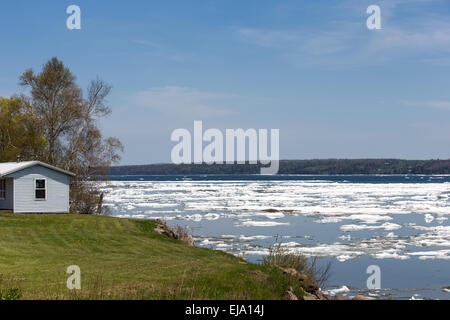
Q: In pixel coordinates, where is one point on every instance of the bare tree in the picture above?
(69, 124)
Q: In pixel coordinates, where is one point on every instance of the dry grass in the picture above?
(281, 257)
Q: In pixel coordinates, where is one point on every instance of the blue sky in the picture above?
(309, 68)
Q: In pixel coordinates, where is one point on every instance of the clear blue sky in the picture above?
(309, 68)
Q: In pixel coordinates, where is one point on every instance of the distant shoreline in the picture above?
(298, 167)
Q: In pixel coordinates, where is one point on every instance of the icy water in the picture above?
(399, 223)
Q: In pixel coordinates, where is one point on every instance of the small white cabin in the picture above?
(34, 187)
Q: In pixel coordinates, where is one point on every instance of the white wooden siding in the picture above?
(24, 191)
(8, 202)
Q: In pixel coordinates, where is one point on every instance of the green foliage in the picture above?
(20, 131)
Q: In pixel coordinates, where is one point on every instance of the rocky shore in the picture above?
(177, 233)
(313, 291)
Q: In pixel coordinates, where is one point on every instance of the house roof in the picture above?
(8, 168)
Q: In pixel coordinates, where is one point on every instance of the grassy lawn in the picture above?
(122, 259)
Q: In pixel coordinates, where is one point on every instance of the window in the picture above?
(41, 191)
(2, 189)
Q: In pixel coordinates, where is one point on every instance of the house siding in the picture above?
(8, 202)
(57, 186)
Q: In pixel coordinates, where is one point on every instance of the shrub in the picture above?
(281, 257)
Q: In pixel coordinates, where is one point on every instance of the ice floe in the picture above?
(251, 223)
(333, 292)
(367, 213)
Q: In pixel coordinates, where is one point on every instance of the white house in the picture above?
(34, 187)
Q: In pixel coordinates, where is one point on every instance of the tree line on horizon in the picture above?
(314, 166)
(57, 123)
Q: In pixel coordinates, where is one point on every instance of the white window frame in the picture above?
(35, 189)
(3, 181)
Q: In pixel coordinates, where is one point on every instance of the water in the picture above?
(399, 223)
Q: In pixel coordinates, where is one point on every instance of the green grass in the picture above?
(122, 259)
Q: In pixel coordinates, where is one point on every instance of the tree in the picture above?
(56, 100)
(69, 125)
(20, 131)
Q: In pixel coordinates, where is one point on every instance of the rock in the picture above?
(319, 294)
(302, 277)
(310, 286)
(189, 240)
(295, 274)
(177, 233)
(310, 297)
(360, 297)
(289, 295)
(340, 298)
(159, 230)
(289, 271)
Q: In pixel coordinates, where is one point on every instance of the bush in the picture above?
(282, 258)
(86, 198)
